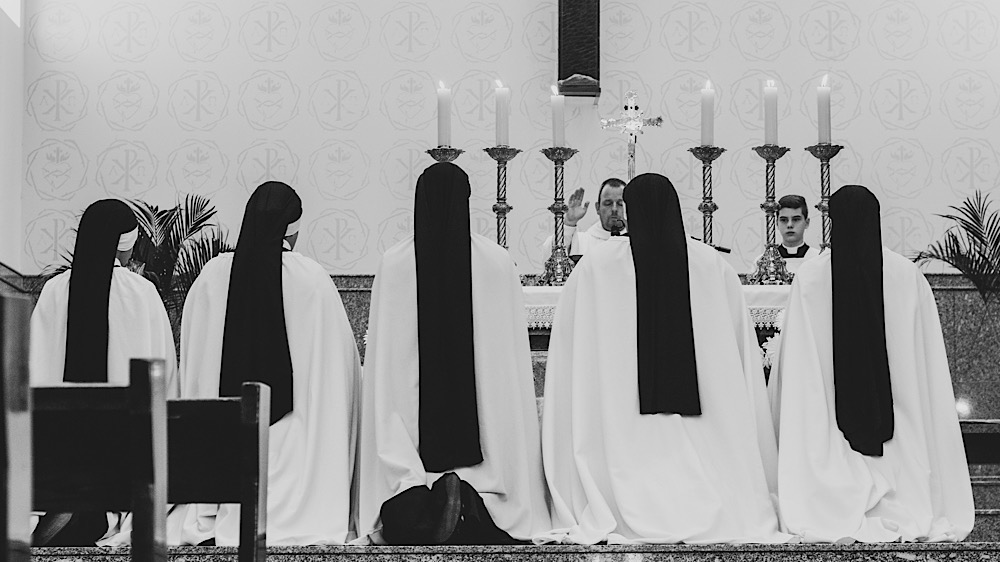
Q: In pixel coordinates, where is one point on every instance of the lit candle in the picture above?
(823, 109)
(770, 113)
(503, 115)
(558, 118)
(708, 115)
(444, 115)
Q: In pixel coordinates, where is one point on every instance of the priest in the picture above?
(611, 219)
(450, 451)
(656, 425)
(870, 445)
(267, 313)
(88, 323)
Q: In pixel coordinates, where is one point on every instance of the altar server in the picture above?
(793, 220)
(656, 426)
(450, 450)
(88, 323)
(266, 313)
(870, 444)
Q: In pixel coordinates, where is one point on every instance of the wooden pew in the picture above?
(15, 428)
(211, 442)
(104, 448)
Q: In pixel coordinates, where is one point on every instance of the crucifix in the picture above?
(631, 123)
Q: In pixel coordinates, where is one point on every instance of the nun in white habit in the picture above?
(656, 426)
(870, 447)
(449, 450)
(88, 323)
(267, 313)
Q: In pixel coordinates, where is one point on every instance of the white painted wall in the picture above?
(154, 99)
(11, 121)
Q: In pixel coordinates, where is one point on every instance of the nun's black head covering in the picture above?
(255, 341)
(668, 373)
(90, 289)
(862, 391)
(449, 420)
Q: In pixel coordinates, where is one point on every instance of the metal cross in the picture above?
(631, 123)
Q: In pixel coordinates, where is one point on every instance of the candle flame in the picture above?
(499, 83)
(708, 84)
(769, 84)
(555, 91)
(826, 80)
(441, 84)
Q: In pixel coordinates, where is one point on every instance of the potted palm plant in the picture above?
(971, 245)
(174, 245)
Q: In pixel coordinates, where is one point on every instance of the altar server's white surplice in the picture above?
(623, 477)
(510, 477)
(312, 449)
(919, 489)
(137, 327)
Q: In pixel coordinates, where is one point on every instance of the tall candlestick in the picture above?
(823, 110)
(558, 118)
(770, 113)
(708, 115)
(444, 115)
(503, 115)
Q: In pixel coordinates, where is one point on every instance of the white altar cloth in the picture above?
(766, 304)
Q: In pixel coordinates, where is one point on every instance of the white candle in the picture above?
(823, 109)
(444, 115)
(708, 115)
(558, 118)
(503, 115)
(770, 113)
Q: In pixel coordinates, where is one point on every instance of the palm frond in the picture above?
(194, 254)
(971, 245)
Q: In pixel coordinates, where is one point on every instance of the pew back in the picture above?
(15, 428)
(218, 453)
(103, 448)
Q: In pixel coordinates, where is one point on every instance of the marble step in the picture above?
(951, 552)
(986, 492)
(987, 527)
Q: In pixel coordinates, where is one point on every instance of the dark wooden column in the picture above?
(580, 47)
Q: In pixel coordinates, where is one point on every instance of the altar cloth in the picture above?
(765, 303)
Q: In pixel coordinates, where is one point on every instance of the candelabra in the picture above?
(707, 154)
(558, 266)
(770, 266)
(502, 154)
(445, 153)
(825, 152)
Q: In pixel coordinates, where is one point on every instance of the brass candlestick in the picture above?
(770, 266)
(445, 153)
(558, 266)
(707, 154)
(825, 152)
(502, 154)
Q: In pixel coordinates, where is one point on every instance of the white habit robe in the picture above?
(577, 241)
(618, 476)
(919, 489)
(510, 477)
(312, 449)
(138, 327)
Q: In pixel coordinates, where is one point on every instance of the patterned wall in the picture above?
(155, 99)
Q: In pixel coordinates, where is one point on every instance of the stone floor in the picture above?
(955, 552)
